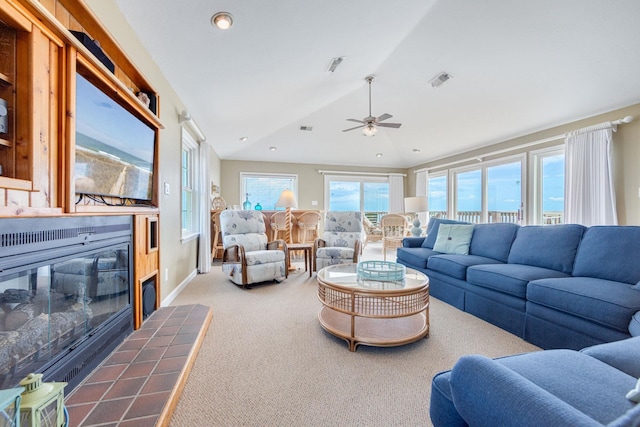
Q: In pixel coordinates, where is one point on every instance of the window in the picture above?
(369, 195)
(265, 189)
(504, 192)
(492, 192)
(437, 195)
(549, 186)
(469, 196)
(189, 200)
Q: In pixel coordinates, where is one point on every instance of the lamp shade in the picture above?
(415, 204)
(287, 200)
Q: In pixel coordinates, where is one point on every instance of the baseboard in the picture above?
(169, 299)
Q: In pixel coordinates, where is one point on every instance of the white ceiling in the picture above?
(517, 66)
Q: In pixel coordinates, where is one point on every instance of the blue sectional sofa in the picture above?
(559, 286)
(545, 388)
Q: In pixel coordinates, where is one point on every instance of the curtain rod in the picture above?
(479, 158)
(325, 172)
(186, 120)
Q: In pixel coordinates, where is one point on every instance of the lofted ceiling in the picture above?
(518, 67)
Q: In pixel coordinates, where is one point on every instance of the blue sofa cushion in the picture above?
(432, 230)
(456, 265)
(547, 246)
(414, 257)
(624, 355)
(608, 303)
(510, 279)
(493, 240)
(585, 383)
(611, 253)
(554, 388)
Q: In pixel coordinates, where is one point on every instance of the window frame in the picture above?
(362, 179)
(443, 173)
(535, 191)
(483, 166)
(243, 184)
(189, 144)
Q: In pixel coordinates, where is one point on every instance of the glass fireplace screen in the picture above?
(49, 309)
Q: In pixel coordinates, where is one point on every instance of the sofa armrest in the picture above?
(487, 393)
(412, 242)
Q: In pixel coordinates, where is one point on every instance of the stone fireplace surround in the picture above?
(65, 295)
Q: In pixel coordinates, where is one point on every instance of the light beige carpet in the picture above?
(267, 362)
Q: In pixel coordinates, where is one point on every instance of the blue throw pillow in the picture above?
(432, 230)
(453, 239)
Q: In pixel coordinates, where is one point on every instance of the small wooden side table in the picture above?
(307, 248)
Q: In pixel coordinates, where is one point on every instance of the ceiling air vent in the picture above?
(438, 80)
(307, 128)
(334, 63)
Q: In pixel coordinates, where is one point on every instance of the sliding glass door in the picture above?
(369, 195)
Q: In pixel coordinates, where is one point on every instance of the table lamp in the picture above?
(416, 205)
(287, 200)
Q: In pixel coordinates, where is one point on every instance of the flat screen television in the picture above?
(114, 148)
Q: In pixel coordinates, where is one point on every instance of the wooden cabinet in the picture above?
(146, 263)
(39, 58)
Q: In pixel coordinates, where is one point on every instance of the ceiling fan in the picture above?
(370, 123)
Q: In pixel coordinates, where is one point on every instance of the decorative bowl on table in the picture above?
(383, 271)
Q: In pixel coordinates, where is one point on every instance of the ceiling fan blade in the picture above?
(389, 125)
(385, 116)
(357, 127)
(357, 121)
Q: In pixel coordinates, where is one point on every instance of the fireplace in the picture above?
(65, 295)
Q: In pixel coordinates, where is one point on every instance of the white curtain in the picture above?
(421, 190)
(589, 191)
(204, 209)
(396, 193)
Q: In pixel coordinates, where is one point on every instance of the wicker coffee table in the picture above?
(371, 312)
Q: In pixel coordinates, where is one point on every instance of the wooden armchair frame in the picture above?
(235, 254)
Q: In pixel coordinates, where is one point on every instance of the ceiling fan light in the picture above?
(222, 20)
(369, 130)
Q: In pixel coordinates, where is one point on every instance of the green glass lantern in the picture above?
(42, 403)
(10, 407)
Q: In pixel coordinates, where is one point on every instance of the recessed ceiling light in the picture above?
(273, 148)
(244, 138)
(222, 20)
(379, 155)
(416, 150)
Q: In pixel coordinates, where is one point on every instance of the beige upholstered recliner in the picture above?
(340, 242)
(248, 257)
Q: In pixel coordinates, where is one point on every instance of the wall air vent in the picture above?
(438, 80)
(307, 128)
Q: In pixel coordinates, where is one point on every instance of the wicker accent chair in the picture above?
(248, 257)
(340, 242)
(394, 229)
(372, 232)
(278, 225)
(308, 226)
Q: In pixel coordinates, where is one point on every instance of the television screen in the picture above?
(114, 149)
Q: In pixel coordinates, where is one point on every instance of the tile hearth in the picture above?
(140, 383)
